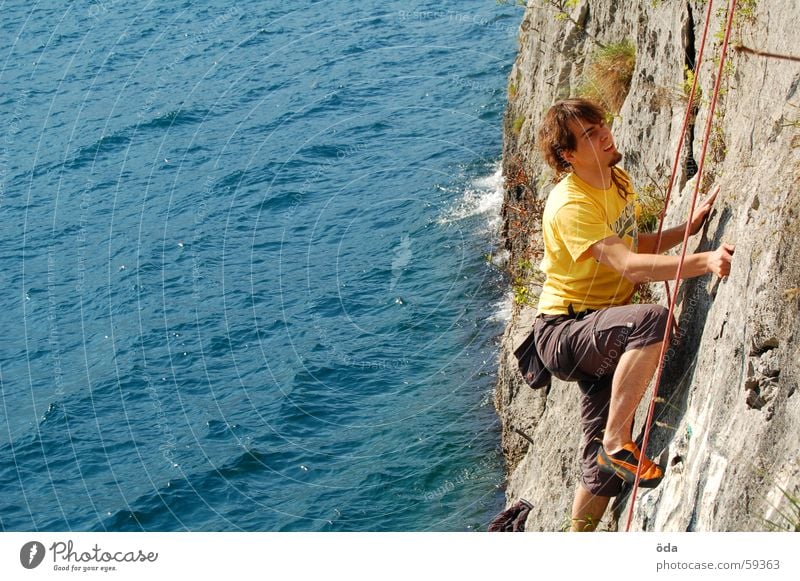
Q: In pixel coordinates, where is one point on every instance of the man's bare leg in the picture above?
(631, 378)
(587, 510)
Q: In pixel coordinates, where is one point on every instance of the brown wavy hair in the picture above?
(555, 136)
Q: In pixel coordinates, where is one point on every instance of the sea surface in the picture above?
(247, 264)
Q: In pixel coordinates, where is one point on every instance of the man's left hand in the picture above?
(701, 213)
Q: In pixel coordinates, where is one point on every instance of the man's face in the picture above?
(594, 146)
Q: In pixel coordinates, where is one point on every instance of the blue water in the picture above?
(243, 264)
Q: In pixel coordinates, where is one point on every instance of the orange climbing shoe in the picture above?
(625, 462)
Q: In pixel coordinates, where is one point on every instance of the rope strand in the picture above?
(684, 127)
(671, 315)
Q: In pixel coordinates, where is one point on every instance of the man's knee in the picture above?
(659, 312)
(651, 322)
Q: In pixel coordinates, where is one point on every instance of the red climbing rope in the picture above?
(671, 316)
(684, 127)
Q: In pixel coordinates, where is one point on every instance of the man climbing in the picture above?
(586, 329)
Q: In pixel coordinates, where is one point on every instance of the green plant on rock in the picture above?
(527, 275)
(789, 518)
(745, 14)
(525, 265)
(717, 147)
(643, 295)
(608, 76)
(563, 11)
(651, 206)
(522, 296)
(562, 6)
(791, 123)
(719, 35)
(686, 89)
(514, 84)
(650, 200)
(516, 126)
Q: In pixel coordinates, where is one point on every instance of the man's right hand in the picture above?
(719, 261)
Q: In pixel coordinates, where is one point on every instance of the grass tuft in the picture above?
(516, 127)
(608, 77)
(528, 276)
(651, 206)
(790, 517)
(688, 81)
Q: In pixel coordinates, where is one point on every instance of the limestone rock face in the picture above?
(727, 420)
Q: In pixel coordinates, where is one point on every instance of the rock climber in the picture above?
(586, 328)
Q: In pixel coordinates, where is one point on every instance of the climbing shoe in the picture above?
(624, 463)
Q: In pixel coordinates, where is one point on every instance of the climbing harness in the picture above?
(674, 297)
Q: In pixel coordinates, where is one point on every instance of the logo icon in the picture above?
(31, 554)
(402, 258)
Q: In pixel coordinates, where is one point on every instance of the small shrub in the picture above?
(688, 81)
(522, 296)
(651, 206)
(608, 77)
(717, 146)
(643, 295)
(745, 15)
(516, 127)
(745, 12)
(512, 90)
(527, 277)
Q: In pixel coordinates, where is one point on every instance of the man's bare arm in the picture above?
(639, 268)
(669, 239)
(674, 236)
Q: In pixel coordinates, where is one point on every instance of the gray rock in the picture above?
(727, 419)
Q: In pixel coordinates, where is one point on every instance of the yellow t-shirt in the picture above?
(576, 216)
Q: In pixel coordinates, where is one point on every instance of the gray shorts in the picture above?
(587, 349)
